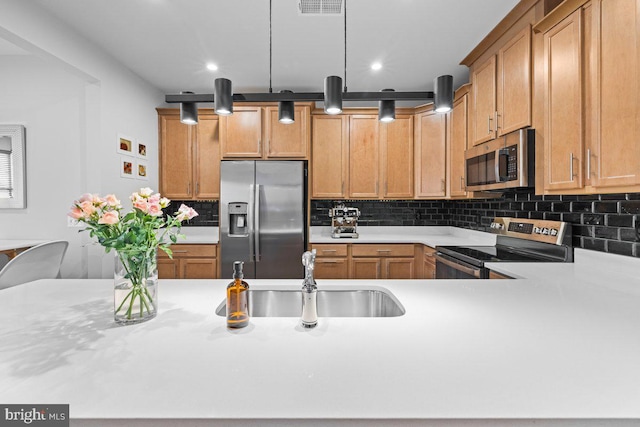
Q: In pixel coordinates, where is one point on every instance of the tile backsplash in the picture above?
(207, 212)
(601, 222)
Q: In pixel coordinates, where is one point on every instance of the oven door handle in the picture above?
(448, 261)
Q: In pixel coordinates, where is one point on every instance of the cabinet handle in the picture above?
(342, 188)
(326, 261)
(588, 163)
(188, 188)
(496, 116)
(258, 146)
(384, 250)
(376, 187)
(462, 183)
(443, 185)
(180, 252)
(324, 251)
(197, 188)
(489, 124)
(386, 188)
(571, 165)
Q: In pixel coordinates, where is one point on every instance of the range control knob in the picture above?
(537, 230)
(553, 232)
(545, 231)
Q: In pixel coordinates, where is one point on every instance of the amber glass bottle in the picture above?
(237, 299)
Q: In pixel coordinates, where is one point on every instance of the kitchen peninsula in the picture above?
(556, 348)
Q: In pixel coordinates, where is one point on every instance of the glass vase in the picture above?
(135, 286)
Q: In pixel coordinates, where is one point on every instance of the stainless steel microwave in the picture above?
(506, 162)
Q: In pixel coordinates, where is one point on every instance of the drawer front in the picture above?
(331, 268)
(382, 250)
(329, 250)
(192, 251)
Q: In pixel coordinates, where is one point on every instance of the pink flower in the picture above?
(76, 213)
(141, 204)
(146, 192)
(98, 201)
(86, 197)
(110, 218)
(112, 200)
(87, 207)
(164, 202)
(155, 209)
(185, 212)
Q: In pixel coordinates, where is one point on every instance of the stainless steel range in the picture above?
(517, 240)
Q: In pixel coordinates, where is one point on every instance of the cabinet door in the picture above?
(207, 158)
(615, 160)
(168, 268)
(514, 83)
(457, 146)
(396, 144)
(176, 171)
(484, 101)
(199, 268)
(563, 124)
(429, 263)
(329, 156)
(363, 157)
(431, 155)
(399, 268)
(241, 133)
(331, 268)
(366, 268)
(287, 140)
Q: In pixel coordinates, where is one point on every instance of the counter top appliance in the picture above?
(344, 221)
(517, 240)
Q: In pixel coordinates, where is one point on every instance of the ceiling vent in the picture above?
(320, 7)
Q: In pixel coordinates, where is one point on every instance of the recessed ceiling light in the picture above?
(212, 67)
(376, 66)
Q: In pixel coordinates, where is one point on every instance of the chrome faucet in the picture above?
(309, 291)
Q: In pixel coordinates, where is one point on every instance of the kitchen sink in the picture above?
(331, 303)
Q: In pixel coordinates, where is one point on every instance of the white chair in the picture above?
(39, 262)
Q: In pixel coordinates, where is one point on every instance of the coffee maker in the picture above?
(344, 221)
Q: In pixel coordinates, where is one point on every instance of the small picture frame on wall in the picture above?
(126, 145)
(127, 167)
(142, 171)
(141, 150)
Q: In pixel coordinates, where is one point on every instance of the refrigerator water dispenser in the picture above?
(238, 226)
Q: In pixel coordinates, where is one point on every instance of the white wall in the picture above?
(74, 100)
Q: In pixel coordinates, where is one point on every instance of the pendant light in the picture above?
(222, 97)
(188, 111)
(443, 94)
(286, 110)
(387, 109)
(333, 95)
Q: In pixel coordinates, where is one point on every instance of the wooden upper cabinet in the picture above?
(287, 140)
(563, 122)
(176, 164)
(241, 133)
(207, 157)
(396, 156)
(430, 154)
(457, 146)
(501, 101)
(514, 83)
(189, 156)
(615, 152)
(329, 157)
(484, 101)
(364, 177)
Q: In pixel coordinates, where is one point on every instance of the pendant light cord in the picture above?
(270, 49)
(345, 46)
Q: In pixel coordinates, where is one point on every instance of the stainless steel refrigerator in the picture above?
(262, 218)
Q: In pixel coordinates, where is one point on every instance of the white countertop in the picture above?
(428, 235)
(7, 245)
(199, 235)
(557, 346)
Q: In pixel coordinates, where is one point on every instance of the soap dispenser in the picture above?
(237, 299)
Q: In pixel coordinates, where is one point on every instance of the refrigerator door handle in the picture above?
(251, 221)
(256, 237)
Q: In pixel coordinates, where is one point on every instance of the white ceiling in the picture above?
(168, 42)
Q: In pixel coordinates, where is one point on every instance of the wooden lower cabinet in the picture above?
(365, 261)
(189, 262)
(428, 263)
(495, 275)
